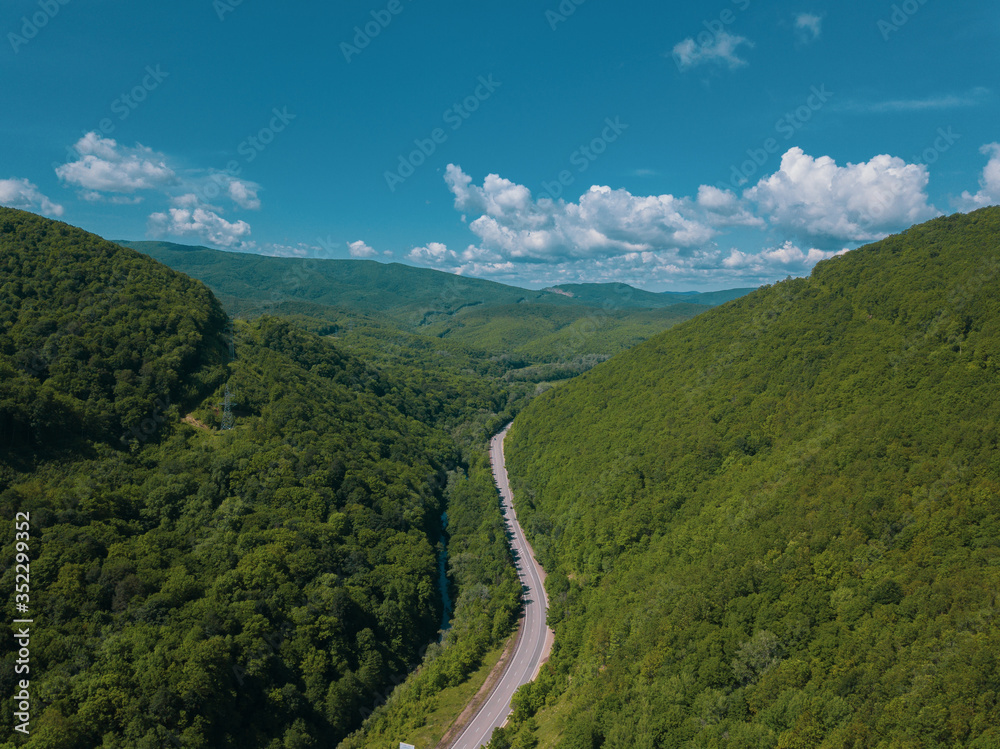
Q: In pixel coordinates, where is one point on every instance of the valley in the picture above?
(764, 523)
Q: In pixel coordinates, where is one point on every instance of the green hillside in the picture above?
(623, 296)
(778, 524)
(534, 326)
(363, 286)
(263, 586)
(91, 334)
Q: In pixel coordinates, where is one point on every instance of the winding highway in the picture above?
(534, 638)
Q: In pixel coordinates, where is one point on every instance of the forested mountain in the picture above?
(260, 586)
(625, 296)
(92, 335)
(778, 524)
(562, 324)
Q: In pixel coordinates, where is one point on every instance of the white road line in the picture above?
(534, 635)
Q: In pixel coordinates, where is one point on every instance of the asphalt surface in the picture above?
(535, 638)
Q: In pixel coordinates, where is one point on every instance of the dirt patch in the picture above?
(192, 421)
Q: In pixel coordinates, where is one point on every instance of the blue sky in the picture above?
(719, 144)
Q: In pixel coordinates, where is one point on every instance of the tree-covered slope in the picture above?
(91, 334)
(262, 586)
(537, 326)
(778, 524)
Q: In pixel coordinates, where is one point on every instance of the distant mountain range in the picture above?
(554, 324)
(599, 294)
(371, 287)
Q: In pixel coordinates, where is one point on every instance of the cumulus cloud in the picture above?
(670, 268)
(721, 50)
(989, 183)
(200, 221)
(826, 204)
(808, 27)
(434, 253)
(107, 171)
(810, 210)
(604, 222)
(20, 193)
(244, 194)
(788, 257)
(723, 208)
(105, 166)
(360, 249)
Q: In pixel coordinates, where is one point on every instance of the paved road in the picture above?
(534, 640)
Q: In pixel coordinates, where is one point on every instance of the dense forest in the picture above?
(265, 585)
(775, 524)
(778, 524)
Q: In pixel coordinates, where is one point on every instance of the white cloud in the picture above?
(434, 253)
(105, 166)
(202, 222)
(107, 171)
(604, 222)
(709, 267)
(989, 183)
(244, 194)
(786, 258)
(20, 193)
(809, 27)
(189, 200)
(300, 250)
(100, 197)
(607, 236)
(721, 50)
(813, 208)
(723, 208)
(828, 204)
(360, 249)
(972, 98)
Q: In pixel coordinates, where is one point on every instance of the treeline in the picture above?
(777, 525)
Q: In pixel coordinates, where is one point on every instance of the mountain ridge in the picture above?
(777, 524)
(536, 325)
